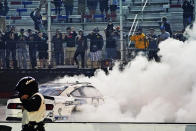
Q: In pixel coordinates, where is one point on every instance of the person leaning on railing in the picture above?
(140, 40)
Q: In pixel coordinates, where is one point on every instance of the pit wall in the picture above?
(108, 127)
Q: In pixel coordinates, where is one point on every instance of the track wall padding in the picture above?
(109, 127)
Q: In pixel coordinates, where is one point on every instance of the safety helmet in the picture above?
(27, 85)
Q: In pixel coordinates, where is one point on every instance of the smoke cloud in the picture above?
(148, 91)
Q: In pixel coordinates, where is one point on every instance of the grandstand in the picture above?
(19, 11)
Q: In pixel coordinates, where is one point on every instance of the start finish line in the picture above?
(106, 127)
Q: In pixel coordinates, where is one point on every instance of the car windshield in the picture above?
(86, 91)
(52, 90)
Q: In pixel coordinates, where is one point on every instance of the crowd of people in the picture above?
(149, 43)
(91, 5)
(29, 49)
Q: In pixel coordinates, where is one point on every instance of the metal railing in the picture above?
(136, 20)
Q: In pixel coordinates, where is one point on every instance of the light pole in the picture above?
(49, 33)
(121, 32)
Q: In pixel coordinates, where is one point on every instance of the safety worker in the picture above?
(140, 40)
(33, 103)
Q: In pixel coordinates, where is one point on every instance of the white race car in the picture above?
(63, 100)
(81, 93)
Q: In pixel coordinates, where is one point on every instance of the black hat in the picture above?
(68, 28)
(21, 30)
(29, 30)
(27, 85)
(96, 30)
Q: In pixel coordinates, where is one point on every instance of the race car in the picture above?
(62, 99)
(78, 93)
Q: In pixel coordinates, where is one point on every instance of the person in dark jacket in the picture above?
(22, 50)
(57, 4)
(32, 48)
(166, 25)
(2, 51)
(70, 39)
(42, 49)
(11, 50)
(188, 10)
(37, 19)
(153, 46)
(96, 47)
(58, 48)
(81, 42)
(110, 41)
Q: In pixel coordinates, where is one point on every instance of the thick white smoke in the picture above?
(148, 91)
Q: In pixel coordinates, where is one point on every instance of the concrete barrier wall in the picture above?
(109, 127)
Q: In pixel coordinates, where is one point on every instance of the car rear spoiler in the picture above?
(46, 97)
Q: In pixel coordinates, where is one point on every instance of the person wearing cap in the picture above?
(81, 42)
(22, 50)
(31, 41)
(96, 47)
(164, 34)
(166, 25)
(58, 47)
(140, 40)
(110, 41)
(153, 46)
(70, 39)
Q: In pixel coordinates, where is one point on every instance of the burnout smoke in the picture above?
(148, 91)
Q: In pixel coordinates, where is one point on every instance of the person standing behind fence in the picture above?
(2, 51)
(81, 42)
(31, 41)
(11, 49)
(153, 46)
(42, 49)
(110, 41)
(70, 39)
(68, 4)
(58, 48)
(96, 45)
(22, 50)
(140, 40)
